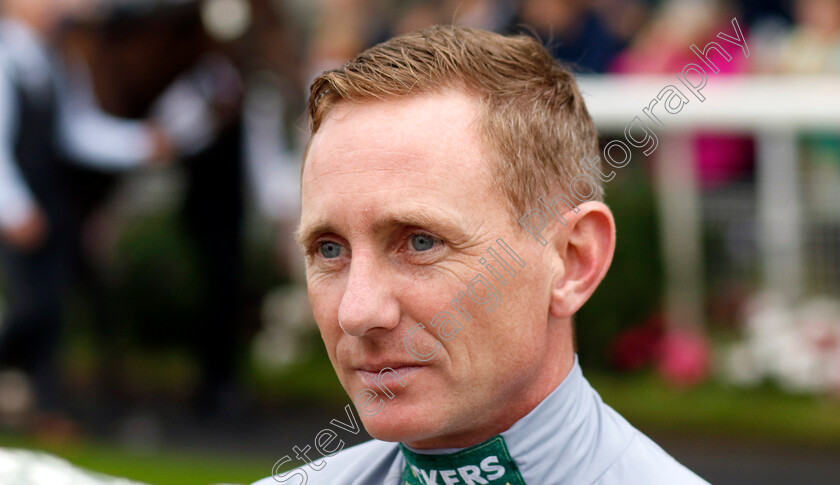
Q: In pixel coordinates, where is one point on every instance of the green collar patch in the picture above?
(486, 463)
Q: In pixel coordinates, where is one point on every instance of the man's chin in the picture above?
(396, 423)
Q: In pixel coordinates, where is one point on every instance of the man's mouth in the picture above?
(384, 375)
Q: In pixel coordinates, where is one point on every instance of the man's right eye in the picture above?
(329, 249)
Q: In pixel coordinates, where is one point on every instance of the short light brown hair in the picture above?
(532, 116)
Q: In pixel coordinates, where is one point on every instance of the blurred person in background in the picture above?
(234, 143)
(573, 31)
(812, 46)
(342, 29)
(661, 47)
(41, 126)
(270, 63)
(494, 15)
(220, 94)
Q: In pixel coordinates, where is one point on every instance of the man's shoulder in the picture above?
(369, 462)
(643, 461)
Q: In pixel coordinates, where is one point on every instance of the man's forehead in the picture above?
(392, 133)
(397, 162)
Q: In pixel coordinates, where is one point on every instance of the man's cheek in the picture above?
(327, 330)
(477, 305)
(325, 301)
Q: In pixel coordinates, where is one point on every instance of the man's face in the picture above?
(398, 210)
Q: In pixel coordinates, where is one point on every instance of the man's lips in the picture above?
(370, 374)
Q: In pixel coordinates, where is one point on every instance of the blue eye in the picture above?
(329, 249)
(422, 242)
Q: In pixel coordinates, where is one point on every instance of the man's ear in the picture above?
(584, 249)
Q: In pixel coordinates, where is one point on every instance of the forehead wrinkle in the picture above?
(339, 170)
(337, 158)
(411, 217)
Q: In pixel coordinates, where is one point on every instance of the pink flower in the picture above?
(684, 357)
(636, 347)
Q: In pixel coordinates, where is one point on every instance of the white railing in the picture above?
(772, 108)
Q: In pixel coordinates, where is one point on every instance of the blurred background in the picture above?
(154, 322)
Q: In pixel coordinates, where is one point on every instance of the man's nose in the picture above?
(368, 302)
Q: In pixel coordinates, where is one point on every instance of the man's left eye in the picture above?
(422, 242)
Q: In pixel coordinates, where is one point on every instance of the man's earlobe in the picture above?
(585, 249)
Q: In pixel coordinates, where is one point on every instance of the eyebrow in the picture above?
(304, 235)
